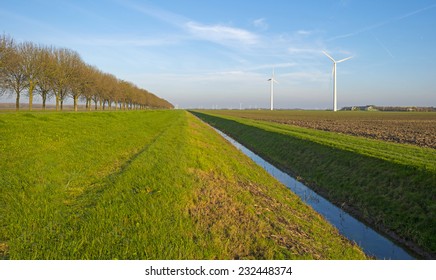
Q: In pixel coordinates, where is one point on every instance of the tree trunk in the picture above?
(31, 87)
(75, 103)
(62, 105)
(30, 99)
(57, 101)
(17, 102)
(44, 98)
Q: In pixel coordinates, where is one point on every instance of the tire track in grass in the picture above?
(127, 216)
(40, 197)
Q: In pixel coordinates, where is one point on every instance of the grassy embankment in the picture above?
(145, 185)
(390, 186)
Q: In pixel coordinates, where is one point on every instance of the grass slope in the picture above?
(145, 185)
(390, 186)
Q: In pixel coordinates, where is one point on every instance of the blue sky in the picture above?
(221, 52)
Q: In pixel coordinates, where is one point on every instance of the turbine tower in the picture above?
(334, 78)
(272, 80)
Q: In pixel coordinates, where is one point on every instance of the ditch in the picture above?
(373, 243)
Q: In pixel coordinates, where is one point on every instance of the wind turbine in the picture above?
(272, 80)
(334, 77)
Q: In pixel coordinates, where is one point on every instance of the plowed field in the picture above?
(405, 127)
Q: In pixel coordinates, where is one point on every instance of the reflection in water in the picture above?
(370, 241)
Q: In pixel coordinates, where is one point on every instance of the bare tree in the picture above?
(90, 80)
(13, 78)
(6, 46)
(46, 73)
(109, 89)
(61, 72)
(63, 75)
(79, 81)
(30, 66)
(96, 93)
(126, 90)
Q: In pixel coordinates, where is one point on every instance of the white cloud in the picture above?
(304, 32)
(293, 50)
(114, 41)
(216, 33)
(155, 12)
(271, 66)
(308, 76)
(221, 34)
(382, 23)
(260, 23)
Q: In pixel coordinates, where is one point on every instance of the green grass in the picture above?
(390, 186)
(145, 185)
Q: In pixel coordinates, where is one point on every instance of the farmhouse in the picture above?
(360, 108)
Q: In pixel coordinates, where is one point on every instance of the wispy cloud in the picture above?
(345, 3)
(384, 46)
(359, 31)
(31, 22)
(217, 33)
(85, 12)
(271, 66)
(293, 50)
(304, 32)
(125, 41)
(260, 23)
(221, 34)
(155, 12)
(382, 23)
(305, 76)
(415, 12)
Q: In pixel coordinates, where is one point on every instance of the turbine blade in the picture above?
(331, 58)
(342, 60)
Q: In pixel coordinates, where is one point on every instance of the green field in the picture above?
(388, 185)
(145, 185)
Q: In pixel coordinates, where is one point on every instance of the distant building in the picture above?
(389, 108)
(360, 108)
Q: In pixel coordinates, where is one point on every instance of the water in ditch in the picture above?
(369, 240)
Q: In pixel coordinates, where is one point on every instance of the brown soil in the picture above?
(400, 127)
(416, 132)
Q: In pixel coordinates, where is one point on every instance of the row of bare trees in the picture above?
(59, 73)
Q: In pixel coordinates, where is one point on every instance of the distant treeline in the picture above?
(406, 109)
(28, 68)
(390, 108)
